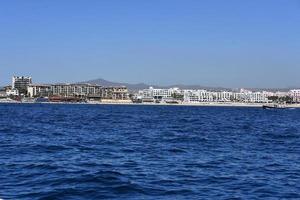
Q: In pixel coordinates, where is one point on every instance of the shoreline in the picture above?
(211, 104)
(206, 104)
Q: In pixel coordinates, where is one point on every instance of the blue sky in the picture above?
(232, 43)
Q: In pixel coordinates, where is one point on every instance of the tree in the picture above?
(177, 96)
(286, 99)
(273, 98)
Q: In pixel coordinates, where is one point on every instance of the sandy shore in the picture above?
(185, 104)
(213, 104)
(216, 104)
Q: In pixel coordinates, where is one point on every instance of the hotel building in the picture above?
(295, 94)
(74, 90)
(115, 93)
(197, 96)
(152, 94)
(78, 90)
(20, 83)
(39, 90)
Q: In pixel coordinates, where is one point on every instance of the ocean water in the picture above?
(148, 152)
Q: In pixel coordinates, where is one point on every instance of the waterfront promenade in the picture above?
(211, 104)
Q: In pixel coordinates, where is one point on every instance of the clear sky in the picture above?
(230, 43)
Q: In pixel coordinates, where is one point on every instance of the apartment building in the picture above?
(115, 93)
(295, 94)
(21, 83)
(197, 96)
(78, 90)
(39, 90)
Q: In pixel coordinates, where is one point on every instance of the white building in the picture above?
(281, 94)
(251, 97)
(258, 97)
(39, 90)
(21, 83)
(3, 93)
(295, 94)
(223, 96)
(152, 94)
(12, 92)
(196, 96)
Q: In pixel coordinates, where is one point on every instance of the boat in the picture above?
(8, 100)
(273, 106)
(41, 100)
(27, 100)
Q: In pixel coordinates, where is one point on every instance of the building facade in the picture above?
(151, 94)
(198, 96)
(78, 90)
(295, 94)
(39, 90)
(115, 93)
(75, 90)
(21, 83)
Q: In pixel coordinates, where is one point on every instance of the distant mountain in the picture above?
(140, 86)
(107, 83)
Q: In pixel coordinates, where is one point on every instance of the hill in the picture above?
(140, 86)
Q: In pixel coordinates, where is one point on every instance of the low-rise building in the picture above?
(152, 94)
(71, 90)
(12, 92)
(197, 96)
(3, 93)
(115, 93)
(89, 91)
(250, 97)
(295, 94)
(39, 90)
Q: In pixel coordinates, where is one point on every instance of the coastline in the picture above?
(210, 104)
(204, 104)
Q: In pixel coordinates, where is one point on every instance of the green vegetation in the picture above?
(177, 96)
(277, 99)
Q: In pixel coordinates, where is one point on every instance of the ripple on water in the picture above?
(148, 152)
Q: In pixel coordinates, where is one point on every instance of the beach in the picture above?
(211, 104)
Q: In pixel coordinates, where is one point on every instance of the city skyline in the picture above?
(23, 89)
(228, 44)
(144, 85)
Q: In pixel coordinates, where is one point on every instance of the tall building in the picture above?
(21, 83)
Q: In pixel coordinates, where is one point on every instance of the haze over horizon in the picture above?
(231, 44)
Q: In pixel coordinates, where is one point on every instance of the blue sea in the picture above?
(148, 152)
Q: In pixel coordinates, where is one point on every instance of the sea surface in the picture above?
(148, 152)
